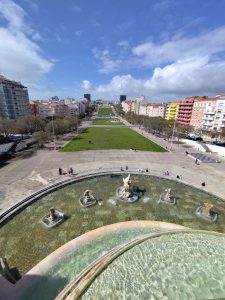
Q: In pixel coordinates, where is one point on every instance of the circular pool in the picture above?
(180, 265)
(24, 241)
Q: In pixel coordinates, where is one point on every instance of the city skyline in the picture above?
(163, 49)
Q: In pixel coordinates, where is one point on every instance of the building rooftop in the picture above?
(7, 81)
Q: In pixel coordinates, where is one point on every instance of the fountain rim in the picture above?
(69, 292)
(63, 251)
(19, 206)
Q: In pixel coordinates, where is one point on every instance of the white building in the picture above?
(219, 116)
(152, 110)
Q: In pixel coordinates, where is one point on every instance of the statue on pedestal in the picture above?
(52, 214)
(126, 193)
(206, 212)
(88, 199)
(126, 186)
(53, 218)
(166, 197)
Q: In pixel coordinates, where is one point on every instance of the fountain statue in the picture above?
(126, 193)
(88, 199)
(126, 186)
(206, 212)
(166, 197)
(52, 215)
(53, 218)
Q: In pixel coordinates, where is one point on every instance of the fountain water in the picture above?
(126, 193)
(88, 199)
(54, 218)
(166, 197)
(206, 212)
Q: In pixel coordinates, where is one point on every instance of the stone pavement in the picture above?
(33, 170)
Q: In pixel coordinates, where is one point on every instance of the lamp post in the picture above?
(53, 132)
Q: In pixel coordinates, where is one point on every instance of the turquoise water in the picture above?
(180, 266)
(70, 266)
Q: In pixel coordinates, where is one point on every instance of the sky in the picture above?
(162, 49)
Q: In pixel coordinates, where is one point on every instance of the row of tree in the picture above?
(161, 126)
(40, 128)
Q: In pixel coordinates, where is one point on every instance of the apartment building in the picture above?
(202, 112)
(152, 110)
(126, 105)
(185, 111)
(14, 99)
(172, 110)
(133, 106)
(219, 116)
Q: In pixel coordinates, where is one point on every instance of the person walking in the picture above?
(60, 171)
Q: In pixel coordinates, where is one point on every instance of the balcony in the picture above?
(208, 118)
(183, 118)
(186, 111)
(210, 113)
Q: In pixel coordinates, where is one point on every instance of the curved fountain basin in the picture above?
(53, 273)
(172, 266)
(30, 242)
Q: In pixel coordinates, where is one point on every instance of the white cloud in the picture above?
(150, 54)
(86, 85)
(179, 47)
(108, 65)
(188, 77)
(21, 57)
(121, 84)
(183, 78)
(181, 66)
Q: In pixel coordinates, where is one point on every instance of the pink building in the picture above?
(185, 111)
(126, 105)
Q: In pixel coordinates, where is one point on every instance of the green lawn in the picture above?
(106, 121)
(105, 111)
(111, 138)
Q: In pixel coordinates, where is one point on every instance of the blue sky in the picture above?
(163, 49)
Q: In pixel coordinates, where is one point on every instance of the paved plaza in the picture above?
(33, 170)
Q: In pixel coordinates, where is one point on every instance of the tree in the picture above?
(119, 110)
(222, 134)
(29, 124)
(7, 127)
(131, 117)
(41, 137)
(59, 125)
(71, 122)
